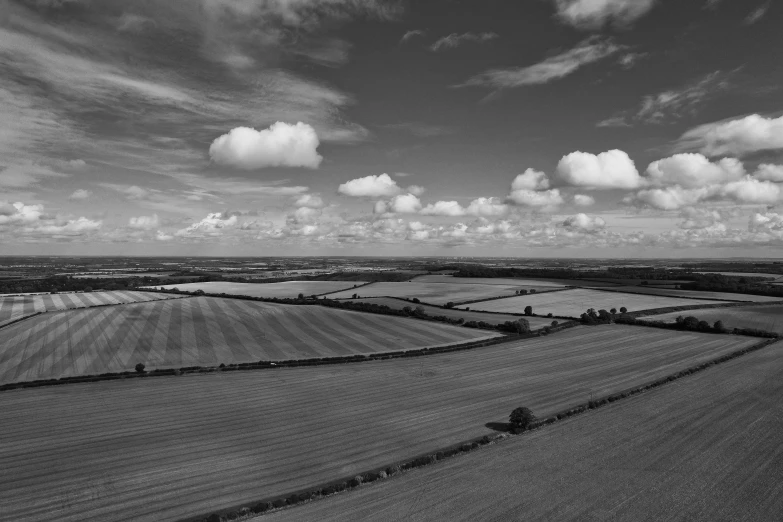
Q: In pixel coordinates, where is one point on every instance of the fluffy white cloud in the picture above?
(144, 222)
(22, 220)
(593, 14)
(405, 204)
(309, 200)
(163, 236)
(487, 207)
(584, 222)
(80, 194)
(693, 171)
(741, 136)
(281, 145)
(531, 179)
(19, 213)
(670, 198)
(766, 222)
(583, 200)
(71, 227)
(607, 170)
(443, 208)
(767, 172)
(547, 199)
(370, 186)
(211, 225)
(416, 190)
(751, 190)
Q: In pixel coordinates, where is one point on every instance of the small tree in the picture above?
(613, 311)
(407, 309)
(354, 295)
(554, 324)
(416, 300)
(522, 292)
(523, 326)
(719, 327)
(532, 290)
(528, 310)
(623, 309)
(450, 304)
(690, 323)
(679, 320)
(521, 419)
(140, 368)
(420, 311)
(301, 296)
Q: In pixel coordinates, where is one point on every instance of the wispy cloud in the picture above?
(455, 40)
(412, 34)
(594, 14)
(758, 13)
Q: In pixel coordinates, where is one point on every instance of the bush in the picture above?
(262, 507)
(450, 304)
(393, 470)
(719, 327)
(613, 311)
(416, 300)
(140, 368)
(521, 419)
(554, 324)
(528, 310)
(623, 309)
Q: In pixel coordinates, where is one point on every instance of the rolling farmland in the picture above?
(456, 313)
(435, 293)
(204, 331)
(706, 448)
(17, 305)
(162, 449)
(284, 290)
(521, 283)
(769, 318)
(572, 303)
(673, 292)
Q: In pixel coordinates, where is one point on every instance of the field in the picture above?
(468, 315)
(769, 318)
(521, 283)
(720, 296)
(162, 449)
(572, 303)
(772, 277)
(435, 293)
(704, 448)
(18, 305)
(286, 289)
(204, 331)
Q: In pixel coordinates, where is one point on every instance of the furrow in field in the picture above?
(159, 354)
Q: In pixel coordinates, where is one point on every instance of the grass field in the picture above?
(435, 293)
(769, 318)
(705, 448)
(672, 292)
(204, 331)
(286, 289)
(13, 306)
(468, 315)
(572, 303)
(162, 449)
(521, 283)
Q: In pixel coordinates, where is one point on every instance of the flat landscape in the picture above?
(572, 303)
(162, 449)
(14, 306)
(436, 293)
(456, 313)
(204, 331)
(706, 447)
(673, 292)
(286, 289)
(768, 318)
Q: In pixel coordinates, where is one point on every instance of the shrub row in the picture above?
(701, 326)
(461, 303)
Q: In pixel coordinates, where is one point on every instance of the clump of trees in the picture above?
(593, 317)
(521, 419)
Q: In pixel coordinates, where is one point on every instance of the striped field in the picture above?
(435, 293)
(763, 317)
(161, 449)
(204, 331)
(705, 448)
(698, 294)
(283, 290)
(18, 305)
(572, 303)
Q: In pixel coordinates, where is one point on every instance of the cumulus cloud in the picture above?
(584, 222)
(211, 225)
(70, 227)
(80, 194)
(370, 186)
(693, 171)
(454, 40)
(583, 200)
(670, 198)
(405, 204)
(751, 190)
(163, 236)
(767, 172)
(553, 68)
(309, 200)
(281, 145)
(739, 137)
(144, 222)
(443, 208)
(20, 220)
(766, 222)
(487, 207)
(544, 200)
(19, 213)
(608, 170)
(416, 190)
(594, 14)
(531, 179)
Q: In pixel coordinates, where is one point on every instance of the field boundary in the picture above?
(462, 303)
(326, 489)
(675, 296)
(19, 319)
(685, 308)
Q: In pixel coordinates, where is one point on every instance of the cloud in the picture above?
(412, 34)
(544, 200)
(309, 200)
(738, 137)
(80, 194)
(582, 200)
(454, 40)
(281, 145)
(767, 172)
(21, 221)
(163, 236)
(758, 13)
(674, 103)
(553, 68)
(19, 213)
(670, 198)
(212, 225)
(583, 222)
(769, 222)
(594, 14)
(416, 190)
(444, 208)
(751, 190)
(531, 179)
(608, 170)
(404, 204)
(487, 207)
(144, 222)
(370, 186)
(693, 171)
(26, 174)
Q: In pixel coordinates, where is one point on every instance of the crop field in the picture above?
(456, 313)
(719, 296)
(704, 448)
(204, 331)
(286, 289)
(11, 306)
(521, 282)
(769, 318)
(572, 303)
(771, 277)
(161, 449)
(435, 293)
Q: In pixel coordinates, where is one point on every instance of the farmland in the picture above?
(455, 313)
(572, 303)
(166, 448)
(286, 289)
(705, 448)
(521, 283)
(203, 331)
(17, 305)
(435, 293)
(769, 318)
(697, 294)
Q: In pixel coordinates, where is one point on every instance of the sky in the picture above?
(534, 128)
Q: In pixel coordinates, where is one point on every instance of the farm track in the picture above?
(163, 449)
(704, 448)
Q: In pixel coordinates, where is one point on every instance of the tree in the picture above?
(719, 327)
(301, 296)
(450, 304)
(532, 290)
(522, 325)
(416, 300)
(604, 316)
(554, 324)
(354, 295)
(522, 292)
(198, 292)
(623, 309)
(528, 310)
(521, 419)
(140, 368)
(613, 311)
(420, 310)
(679, 320)
(704, 326)
(408, 310)
(88, 289)
(690, 323)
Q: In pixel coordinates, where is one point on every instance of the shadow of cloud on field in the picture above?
(504, 427)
